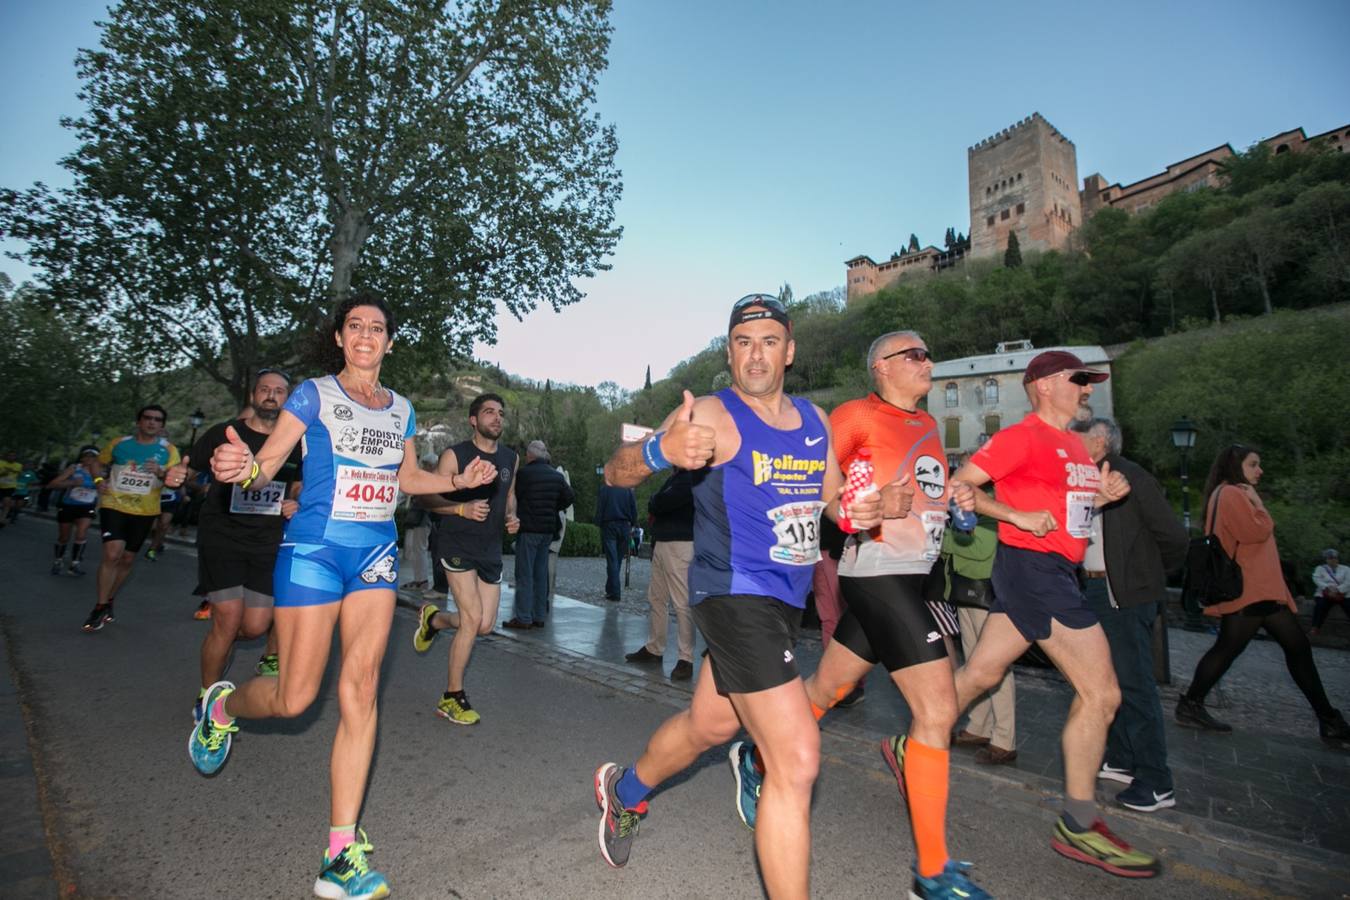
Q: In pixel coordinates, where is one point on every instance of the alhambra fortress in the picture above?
(1024, 180)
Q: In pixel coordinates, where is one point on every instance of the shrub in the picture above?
(581, 539)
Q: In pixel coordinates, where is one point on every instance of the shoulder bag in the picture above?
(1212, 576)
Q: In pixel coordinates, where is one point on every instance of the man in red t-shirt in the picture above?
(1047, 490)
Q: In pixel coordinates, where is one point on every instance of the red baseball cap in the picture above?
(1052, 362)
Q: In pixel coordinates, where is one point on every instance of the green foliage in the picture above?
(244, 165)
(913, 243)
(1272, 383)
(581, 539)
(1012, 257)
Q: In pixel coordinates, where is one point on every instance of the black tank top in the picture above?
(479, 540)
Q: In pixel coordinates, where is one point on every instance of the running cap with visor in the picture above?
(773, 308)
(1052, 362)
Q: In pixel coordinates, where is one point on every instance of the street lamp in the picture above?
(1183, 438)
(195, 420)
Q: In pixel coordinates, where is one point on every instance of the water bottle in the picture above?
(962, 520)
(858, 484)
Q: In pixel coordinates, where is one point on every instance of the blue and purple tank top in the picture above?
(757, 516)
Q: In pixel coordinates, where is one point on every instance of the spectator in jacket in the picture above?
(541, 494)
(672, 512)
(616, 514)
(1235, 513)
(968, 561)
(1135, 543)
(1332, 581)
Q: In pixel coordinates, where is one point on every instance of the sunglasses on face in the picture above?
(1082, 379)
(768, 301)
(913, 354)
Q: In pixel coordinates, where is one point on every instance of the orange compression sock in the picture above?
(926, 772)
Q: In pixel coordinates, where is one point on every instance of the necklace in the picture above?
(370, 388)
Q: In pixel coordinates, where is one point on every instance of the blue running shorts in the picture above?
(1033, 589)
(313, 574)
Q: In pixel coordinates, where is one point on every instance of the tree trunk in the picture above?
(1214, 301)
(348, 238)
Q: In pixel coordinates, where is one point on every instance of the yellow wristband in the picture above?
(98, 481)
(252, 475)
(460, 511)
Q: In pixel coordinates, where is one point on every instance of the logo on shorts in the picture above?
(349, 440)
(787, 657)
(934, 637)
(931, 476)
(381, 571)
(342, 411)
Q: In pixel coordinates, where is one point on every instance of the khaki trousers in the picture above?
(670, 586)
(994, 715)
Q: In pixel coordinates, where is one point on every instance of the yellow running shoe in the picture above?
(1101, 847)
(457, 710)
(425, 634)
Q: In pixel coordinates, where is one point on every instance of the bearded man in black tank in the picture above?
(469, 547)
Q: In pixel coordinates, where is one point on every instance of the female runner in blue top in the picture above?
(337, 566)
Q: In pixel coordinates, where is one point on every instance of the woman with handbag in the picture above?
(1239, 519)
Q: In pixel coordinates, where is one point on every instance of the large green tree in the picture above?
(243, 165)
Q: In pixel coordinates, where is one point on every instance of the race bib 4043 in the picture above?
(797, 529)
(263, 500)
(365, 495)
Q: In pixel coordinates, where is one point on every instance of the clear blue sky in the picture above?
(767, 142)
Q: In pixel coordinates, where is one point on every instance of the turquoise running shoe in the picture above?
(209, 743)
(951, 883)
(748, 781)
(350, 877)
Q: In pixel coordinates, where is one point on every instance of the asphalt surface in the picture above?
(504, 809)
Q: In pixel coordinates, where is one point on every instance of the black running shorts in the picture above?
(70, 512)
(1033, 588)
(232, 572)
(489, 570)
(751, 641)
(116, 525)
(886, 620)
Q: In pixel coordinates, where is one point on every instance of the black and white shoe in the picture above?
(1143, 799)
(1115, 773)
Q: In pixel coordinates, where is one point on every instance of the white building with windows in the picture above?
(973, 397)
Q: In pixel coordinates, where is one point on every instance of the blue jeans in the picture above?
(1136, 740)
(615, 540)
(532, 576)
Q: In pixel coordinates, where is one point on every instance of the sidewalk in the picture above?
(1268, 805)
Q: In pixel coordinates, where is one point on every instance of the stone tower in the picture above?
(1023, 179)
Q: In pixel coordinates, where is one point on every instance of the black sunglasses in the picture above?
(262, 372)
(913, 354)
(768, 301)
(1082, 379)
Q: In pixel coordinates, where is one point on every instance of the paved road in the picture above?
(500, 810)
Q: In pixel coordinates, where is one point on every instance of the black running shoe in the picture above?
(97, 618)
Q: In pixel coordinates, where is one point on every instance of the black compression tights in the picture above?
(1236, 631)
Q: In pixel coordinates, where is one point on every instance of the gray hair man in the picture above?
(1136, 541)
(541, 493)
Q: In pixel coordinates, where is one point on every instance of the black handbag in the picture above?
(1212, 576)
(967, 592)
